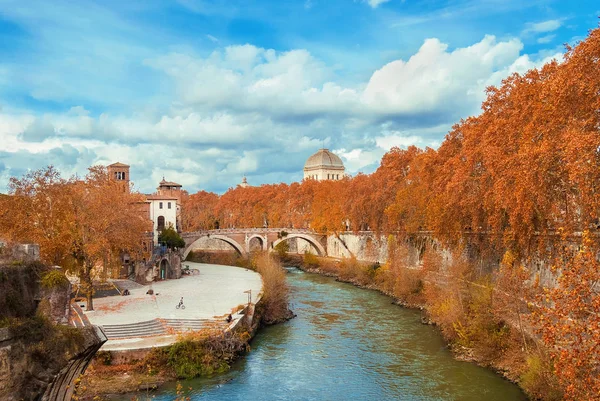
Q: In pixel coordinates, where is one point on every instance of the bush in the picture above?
(538, 379)
(197, 354)
(171, 238)
(310, 261)
(104, 357)
(282, 249)
(275, 298)
(54, 279)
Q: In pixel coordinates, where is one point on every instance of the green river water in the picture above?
(348, 343)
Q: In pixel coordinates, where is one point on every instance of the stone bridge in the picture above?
(243, 240)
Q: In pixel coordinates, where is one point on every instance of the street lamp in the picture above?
(249, 292)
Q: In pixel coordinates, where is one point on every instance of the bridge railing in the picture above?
(250, 230)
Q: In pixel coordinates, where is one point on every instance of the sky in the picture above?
(204, 92)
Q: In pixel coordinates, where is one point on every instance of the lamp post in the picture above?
(249, 292)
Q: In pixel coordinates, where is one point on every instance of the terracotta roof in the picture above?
(118, 164)
(160, 197)
(164, 183)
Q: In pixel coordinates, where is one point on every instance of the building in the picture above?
(244, 183)
(120, 173)
(163, 211)
(324, 165)
(163, 207)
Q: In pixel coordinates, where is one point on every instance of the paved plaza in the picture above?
(209, 295)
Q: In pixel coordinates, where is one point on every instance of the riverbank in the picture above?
(504, 350)
(195, 353)
(346, 344)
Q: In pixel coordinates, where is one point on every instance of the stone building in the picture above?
(120, 173)
(324, 165)
(163, 207)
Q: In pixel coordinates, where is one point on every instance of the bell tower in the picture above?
(119, 172)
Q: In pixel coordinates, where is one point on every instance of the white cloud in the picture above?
(435, 79)
(543, 27)
(293, 83)
(376, 3)
(249, 110)
(546, 39)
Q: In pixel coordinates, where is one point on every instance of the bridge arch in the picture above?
(224, 238)
(308, 238)
(262, 241)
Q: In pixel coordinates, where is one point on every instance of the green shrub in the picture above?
(538, 379)
(104, 357)
(282, 249)
(197, 354)
(54, 279)
(310, 260)
(171, 238)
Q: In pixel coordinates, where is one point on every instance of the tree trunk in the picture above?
(87, 287)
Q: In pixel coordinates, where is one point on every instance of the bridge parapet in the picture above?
(243, 240)
(248, 231)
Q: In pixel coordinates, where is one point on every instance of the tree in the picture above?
(569, 321)
(171, 238)
(38, 210)
(106, 221)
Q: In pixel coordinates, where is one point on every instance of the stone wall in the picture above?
(39, 360)
(23, 376)
(367, 246)
(63, 384)
(371, 248)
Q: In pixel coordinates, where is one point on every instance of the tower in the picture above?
(119, 172)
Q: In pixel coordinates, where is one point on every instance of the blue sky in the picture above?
(204, 92)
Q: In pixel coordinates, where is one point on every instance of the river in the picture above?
(348, 343)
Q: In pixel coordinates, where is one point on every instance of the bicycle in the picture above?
(180, 306)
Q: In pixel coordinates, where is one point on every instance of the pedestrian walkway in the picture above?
(208, 298)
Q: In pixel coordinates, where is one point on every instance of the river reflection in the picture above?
(348, 344)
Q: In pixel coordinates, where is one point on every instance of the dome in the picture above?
(324, 159)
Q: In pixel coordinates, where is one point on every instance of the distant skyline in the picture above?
(204, 92)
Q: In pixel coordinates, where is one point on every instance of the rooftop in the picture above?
(118, 164)
(324, 158)
(164, 183)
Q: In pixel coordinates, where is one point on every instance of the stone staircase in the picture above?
(160, 327)
(141, 329)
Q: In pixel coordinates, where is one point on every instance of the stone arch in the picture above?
(239, 249)
(261, 241)
(164, 269)
(311, 240)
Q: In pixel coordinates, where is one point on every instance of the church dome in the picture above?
(324, 159)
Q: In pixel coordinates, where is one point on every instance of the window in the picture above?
(160, 205)
(338, 177)
(160, 223)
(327, 176)
(168, 205)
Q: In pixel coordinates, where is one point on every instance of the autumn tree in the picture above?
(38, 211)
(569, 322)
(105, 222)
